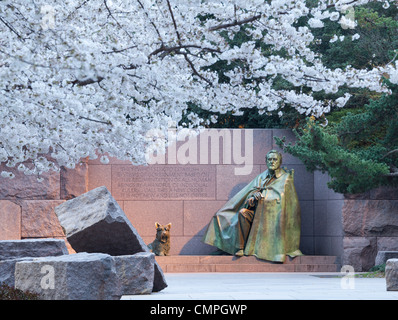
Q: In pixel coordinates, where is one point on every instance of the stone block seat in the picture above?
(228, 263)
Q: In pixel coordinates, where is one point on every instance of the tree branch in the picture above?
(174, 22)
(176, 49)
(389, 153)
(315, 79)
(77, 8)
(235, 23)
(118, 51)
(152, 23)
(94, 120)
(85, 82)
(396, 54)
(333, 4)
(194, 69)
(9, 26)
(117, 22)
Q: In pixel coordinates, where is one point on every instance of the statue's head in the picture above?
(273, 159)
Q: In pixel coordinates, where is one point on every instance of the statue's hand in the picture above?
(252, 200)
(257, 195)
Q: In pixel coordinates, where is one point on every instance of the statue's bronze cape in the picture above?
(275, 231)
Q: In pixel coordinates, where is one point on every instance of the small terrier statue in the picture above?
(161, 245)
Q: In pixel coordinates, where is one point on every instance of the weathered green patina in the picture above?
(269, 225)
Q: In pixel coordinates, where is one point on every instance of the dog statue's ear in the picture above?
(168, 226)
(157, 225)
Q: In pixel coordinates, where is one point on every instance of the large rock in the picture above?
(135, 273)
(360, 253)
(384, 193)
(368, 218)
(80, 276)
(13, 249)
(392, 275)
(7, 270)
(369, 226)
(94, 222)
(86, 276)
(383, 256)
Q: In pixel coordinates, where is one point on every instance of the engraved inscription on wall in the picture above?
(165, 182)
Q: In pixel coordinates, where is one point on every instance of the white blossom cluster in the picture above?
(80, 78)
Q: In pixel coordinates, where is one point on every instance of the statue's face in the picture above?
(273, 161)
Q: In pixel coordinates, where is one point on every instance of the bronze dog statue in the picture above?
(161, 245)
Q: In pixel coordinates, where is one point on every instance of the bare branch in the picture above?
(117, 22)
(9, 26)
(77, 8)
(181, 46)
(235, 23)
(94, 120)
(152, 23)
(174, 22)
(81, 83)
(176, 49)
(393, 59)
(333, 4)
(120, 50)
(29, 62)
(389, 153)
(393, 169)
(128, 67)
(315, 79)
(195, 71)
(392, 174)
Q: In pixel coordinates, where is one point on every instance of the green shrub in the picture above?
(379, 268)
(359, 151)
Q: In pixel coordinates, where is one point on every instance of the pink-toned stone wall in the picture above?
(190, 183)
(186, 187)
(27, 206)
(188, 195)
(370, 223)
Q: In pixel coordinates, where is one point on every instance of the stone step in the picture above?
(180, 263)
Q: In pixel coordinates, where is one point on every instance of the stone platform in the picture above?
(202, 263)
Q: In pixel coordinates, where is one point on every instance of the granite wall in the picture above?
(27, 206)
(370, 224)
(198, 190)
(188, 184)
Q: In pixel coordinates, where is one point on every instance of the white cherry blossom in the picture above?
(92, 78)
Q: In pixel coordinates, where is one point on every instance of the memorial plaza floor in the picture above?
(269, 286)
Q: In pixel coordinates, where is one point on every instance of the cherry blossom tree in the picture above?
(82, 78)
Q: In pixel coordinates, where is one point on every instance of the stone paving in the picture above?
(269, 286)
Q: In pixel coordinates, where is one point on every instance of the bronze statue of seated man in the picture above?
(263, 219)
